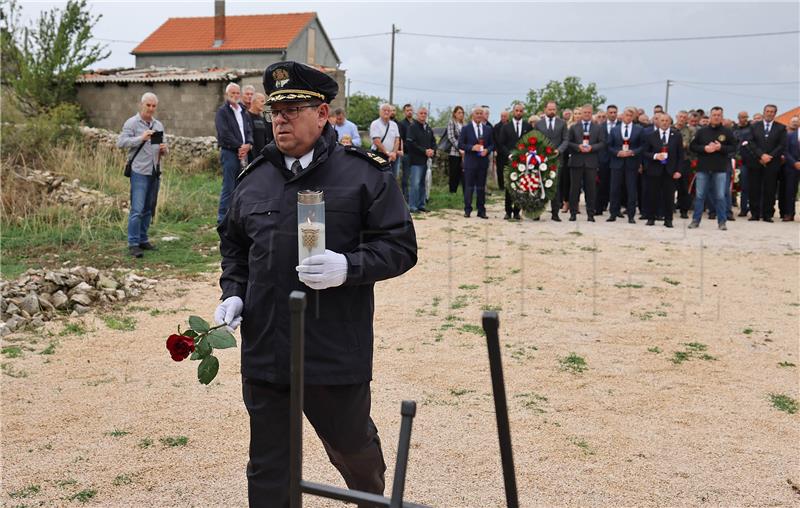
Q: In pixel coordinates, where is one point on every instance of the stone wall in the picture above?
(185, 108)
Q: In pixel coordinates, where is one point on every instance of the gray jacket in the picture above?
(558, 136)
(131, 138)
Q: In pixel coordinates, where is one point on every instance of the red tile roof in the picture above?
(242, 33)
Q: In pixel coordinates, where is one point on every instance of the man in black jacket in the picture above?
(234, 138)
(663, 158)
(420, 143)
(512, 131)
(714, 146)
(586, 141)
(369, 236)
(767, 147)
(500, 143)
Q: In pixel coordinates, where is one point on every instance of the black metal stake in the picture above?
(297, 307)
(407, 410)
(491, 323)
(297, 486)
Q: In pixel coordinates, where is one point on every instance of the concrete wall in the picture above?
(185, 110)
(229, 60)
(298, 50)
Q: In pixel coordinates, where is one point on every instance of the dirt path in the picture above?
(634, 428)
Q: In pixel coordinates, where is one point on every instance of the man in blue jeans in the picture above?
(144, 157)
(714, 146)
(234, 138)
(420, 144)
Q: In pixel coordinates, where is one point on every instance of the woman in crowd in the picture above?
(454, 170)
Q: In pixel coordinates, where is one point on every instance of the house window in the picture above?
(312, 46)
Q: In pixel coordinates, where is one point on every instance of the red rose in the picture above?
(522, 157)
(180, 346)
(548, 150)
(514, 164)
(521, 146)
(694, 164)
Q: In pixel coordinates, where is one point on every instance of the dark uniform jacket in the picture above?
(714, 162)
(652, 145)
(366, 219)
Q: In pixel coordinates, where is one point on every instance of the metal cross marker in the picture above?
(298, 486)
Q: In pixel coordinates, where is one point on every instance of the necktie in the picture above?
(626, 133)
(585, 126)
(296, 166)
(518, 123)
(766, 131)
(664, 137)
(550, 121)
(480, 130)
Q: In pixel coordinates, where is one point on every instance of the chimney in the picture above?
(219, 22)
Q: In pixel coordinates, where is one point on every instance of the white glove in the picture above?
(323, 271)
(229, 311)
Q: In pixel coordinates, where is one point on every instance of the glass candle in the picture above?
(310, 224)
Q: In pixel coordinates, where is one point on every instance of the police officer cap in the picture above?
(294, 81)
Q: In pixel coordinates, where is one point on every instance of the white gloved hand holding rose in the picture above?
(230, 312)
(323, 271)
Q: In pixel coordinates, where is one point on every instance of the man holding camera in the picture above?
(143, 136)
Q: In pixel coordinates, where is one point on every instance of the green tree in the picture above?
(440, 118)
(41, 62)
(362, 109)
(568, 94)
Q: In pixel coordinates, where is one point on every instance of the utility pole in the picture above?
(347, 96)
(391, 70)
(666, 101)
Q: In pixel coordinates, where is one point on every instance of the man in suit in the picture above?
(791, 171)
(511, 132)
(555, 130)
(586, 141)
(477, 144)
(767, 146)
(604, 173)
(500, 148)
(625, 149)
(663, 159)
(234, 138)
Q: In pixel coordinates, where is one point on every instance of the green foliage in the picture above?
(30, 490)
(573, 363)
(784, 403)
(25, 136)
(84, 496)
(42, 61)
(568, 94)
(173, 441)
(207, 370)
(122, 323)
(145, 443)
(73, 329)
(12, 351)
(362, 109)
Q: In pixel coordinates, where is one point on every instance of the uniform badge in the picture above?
(721, 138)
(281, 77)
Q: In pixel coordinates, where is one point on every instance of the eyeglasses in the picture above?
(288, 114)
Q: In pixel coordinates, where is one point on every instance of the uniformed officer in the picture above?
(370, 237)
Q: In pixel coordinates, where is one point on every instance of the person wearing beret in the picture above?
(369, 237)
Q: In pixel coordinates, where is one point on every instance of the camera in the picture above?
(157, 138)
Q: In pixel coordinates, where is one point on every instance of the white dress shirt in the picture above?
(237, 112)
(305, 160)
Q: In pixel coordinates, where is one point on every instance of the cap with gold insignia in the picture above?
(294, 81)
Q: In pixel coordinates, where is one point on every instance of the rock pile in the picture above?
(183, 150)
(40, 295)
(67, 192)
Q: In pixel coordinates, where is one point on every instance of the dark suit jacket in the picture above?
(509, 136)
(651, 145)
(559, 136)
(228, 135)
(792, 152)
(615, 145)
(500, 141)
(597, 140)
(774, 145)
(605, 155)
(467, 139)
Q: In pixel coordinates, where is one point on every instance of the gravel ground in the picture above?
(685, 336)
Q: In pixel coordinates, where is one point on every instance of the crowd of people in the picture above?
(621, 162)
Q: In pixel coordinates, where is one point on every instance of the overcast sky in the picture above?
(468, 72)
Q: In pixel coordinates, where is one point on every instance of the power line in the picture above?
(725, 83)
(605, 41)
(359, 36)
(115, 40)
(732, 93)
(482, 92)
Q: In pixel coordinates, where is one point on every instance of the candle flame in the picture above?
(308, 219)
